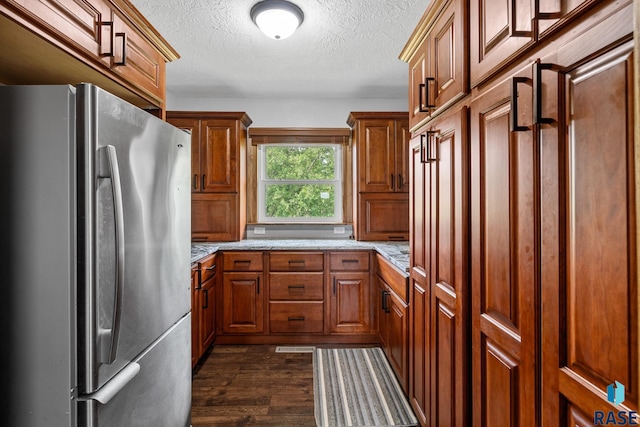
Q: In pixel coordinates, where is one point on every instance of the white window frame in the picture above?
(337, 183)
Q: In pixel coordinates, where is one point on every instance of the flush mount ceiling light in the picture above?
(278, 19)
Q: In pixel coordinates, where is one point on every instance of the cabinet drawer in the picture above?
(207, 267)
(296, 286)
(288, 317)
(349, 261)
(296, 261)
(242, 261)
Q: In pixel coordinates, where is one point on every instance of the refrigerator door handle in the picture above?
(113, 387)
(116, 188)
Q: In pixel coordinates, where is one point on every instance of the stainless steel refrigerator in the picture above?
(95, 262)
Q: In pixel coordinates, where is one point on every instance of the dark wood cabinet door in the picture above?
(193, 127)
(195, 318)
(397, 345)
(448, 61)
(419, 351)
(418, 68)
(402, 156)
(589, 247)
(208, 312)
(219, 155)
(243, 303)
(449, 273)
(498, 30)
(419, 199)
(503, 256)
(376, 155)
(349, 302)
(214, 217)
(383, 216)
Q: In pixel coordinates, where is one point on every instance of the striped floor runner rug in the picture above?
(356, 387)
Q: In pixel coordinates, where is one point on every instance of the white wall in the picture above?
(289, 112)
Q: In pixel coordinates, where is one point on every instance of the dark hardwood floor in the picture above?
(253, 385)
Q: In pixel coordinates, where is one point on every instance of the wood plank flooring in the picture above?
(253, 385)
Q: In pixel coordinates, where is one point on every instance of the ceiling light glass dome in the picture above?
(277, 19)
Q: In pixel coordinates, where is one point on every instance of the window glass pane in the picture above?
(300, 163)
(300, 200)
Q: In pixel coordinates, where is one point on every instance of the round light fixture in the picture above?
(278, 19)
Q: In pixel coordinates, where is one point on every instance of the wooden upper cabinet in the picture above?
(135, 59)
(499, 30)
(219, 153)
(438, 61)
(104, 42)
(381, 145)
(218, 147)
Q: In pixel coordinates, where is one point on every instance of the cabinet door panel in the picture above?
(349, 303)
(384, 216)
(449, 59)
(243, 307)
(499, 30)
(419, 199)
(213, 217)
(448, 277)
(419, 354)
(397, 338)
(208, 313)
(77, 21)
(418, 68)
(193, 127)
(503, 247)
(142, 65)
(589, 258)
(219, 160)
(377, 155)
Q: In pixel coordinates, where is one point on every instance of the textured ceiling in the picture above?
(343, 49)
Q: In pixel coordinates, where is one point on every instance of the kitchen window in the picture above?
(300, 183)
(328, 174)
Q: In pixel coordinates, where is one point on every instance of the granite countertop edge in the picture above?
(397, 253)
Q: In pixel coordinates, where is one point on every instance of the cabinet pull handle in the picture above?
(296, 319)
(423, 159)
(392, 182)
(124, 49)
(425, 101)
(515, 81)
(241, 261)
(297, 261)
(399, 181)
(206, 298)
(345, 261)
(538, 67)
(430, 137)
(257, 285)
(195, 181)
(397, 238)
(383, 298)
(109, 24)
(203, 184)
(213, 267)
(296, 286)
(334, 285)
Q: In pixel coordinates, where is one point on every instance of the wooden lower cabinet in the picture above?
(393, 323)
(243, 303)
(349, 293)
(204, 286)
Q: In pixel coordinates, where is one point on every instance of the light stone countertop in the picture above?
(395, 252)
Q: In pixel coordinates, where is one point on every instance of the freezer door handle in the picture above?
(113, 387)
(116, 188)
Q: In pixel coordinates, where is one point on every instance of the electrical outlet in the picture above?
(259, 230)
(338, 230)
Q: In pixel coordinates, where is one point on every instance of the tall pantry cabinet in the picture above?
(547, 207)
(218, 163)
